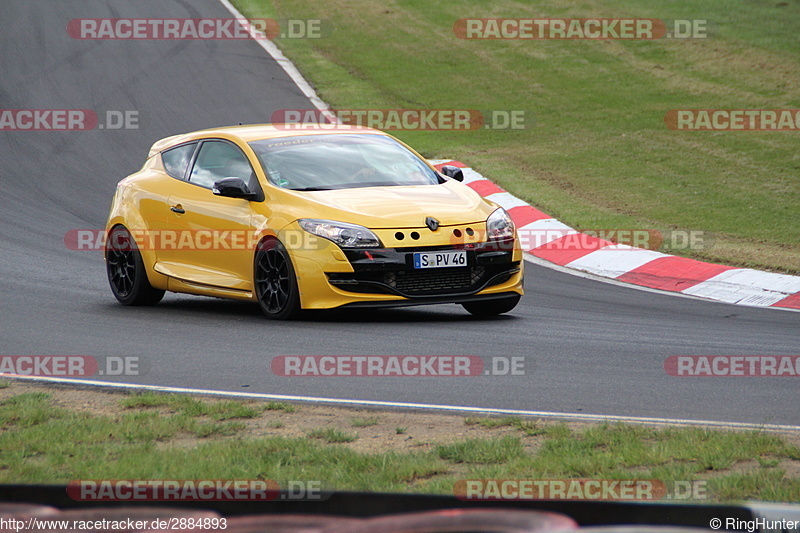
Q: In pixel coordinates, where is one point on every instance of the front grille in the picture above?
(434, 281)
(428, 282)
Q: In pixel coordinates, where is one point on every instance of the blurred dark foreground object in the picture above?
(349, 512)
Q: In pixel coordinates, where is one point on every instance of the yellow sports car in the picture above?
(298, 218)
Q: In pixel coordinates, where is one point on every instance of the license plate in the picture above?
(440, 259)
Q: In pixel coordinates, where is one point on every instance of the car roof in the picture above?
(257, 132)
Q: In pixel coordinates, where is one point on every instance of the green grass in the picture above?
(280, 406)
(43, 443)
(598, 155)
(189, 406)
(481, 451)
(365, 422)
(529, 427)
(331, 435)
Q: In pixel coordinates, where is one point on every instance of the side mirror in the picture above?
(233, 188)
(453, 172)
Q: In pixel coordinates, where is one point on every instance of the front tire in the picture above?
(275, 282)
(492, 307)
(126, 273)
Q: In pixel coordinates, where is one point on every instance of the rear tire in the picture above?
(492, 307)
(126, 273)
(274, 281)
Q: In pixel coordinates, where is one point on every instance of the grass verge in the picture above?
(45, 438)
(596, 152)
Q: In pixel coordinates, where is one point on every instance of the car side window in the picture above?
(176, 160)
(219, 159)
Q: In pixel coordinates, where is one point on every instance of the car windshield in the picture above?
(343, 161)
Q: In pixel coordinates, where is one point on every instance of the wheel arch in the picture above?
(149, 258)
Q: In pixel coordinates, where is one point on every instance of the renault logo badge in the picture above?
(432, 223)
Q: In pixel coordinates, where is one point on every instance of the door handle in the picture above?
(177, 209)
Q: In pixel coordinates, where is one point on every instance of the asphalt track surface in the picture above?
(594, 347)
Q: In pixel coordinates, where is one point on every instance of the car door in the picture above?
(214, 244)
(154, 207)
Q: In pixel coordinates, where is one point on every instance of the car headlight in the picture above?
(344, 234)
(499, 225)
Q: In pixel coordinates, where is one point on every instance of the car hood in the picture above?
(397, 207)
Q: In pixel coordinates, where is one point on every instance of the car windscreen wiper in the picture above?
(312, 189)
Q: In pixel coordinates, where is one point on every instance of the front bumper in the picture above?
(330, 277)
(391, 271)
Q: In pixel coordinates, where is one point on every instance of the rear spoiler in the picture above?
(163, 144)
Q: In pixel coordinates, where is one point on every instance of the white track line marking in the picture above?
(430, 407)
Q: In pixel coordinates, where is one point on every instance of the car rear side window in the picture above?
(176, 160)
(217, 160)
